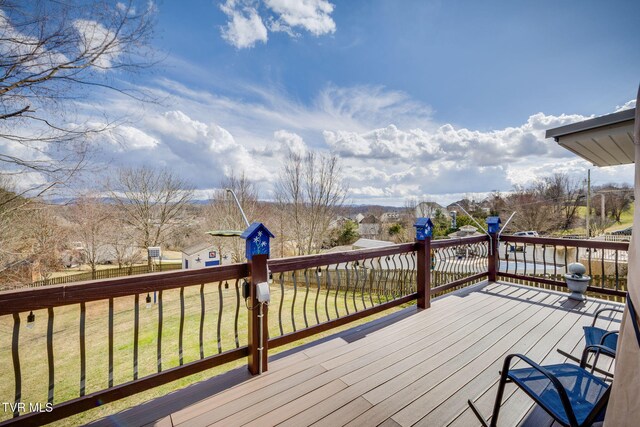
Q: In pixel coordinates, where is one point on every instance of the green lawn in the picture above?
(626, 220)
(33, 352)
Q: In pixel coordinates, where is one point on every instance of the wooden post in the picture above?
(424, 231)
(493, 257)
(258, 268)
(257, 250)
(424, 272)
(493, 228)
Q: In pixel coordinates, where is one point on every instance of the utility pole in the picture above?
(602, 215)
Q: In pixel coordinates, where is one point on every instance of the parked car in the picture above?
(526, 233)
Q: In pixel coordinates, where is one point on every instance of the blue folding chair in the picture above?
(600, 341)
(597, 341)
(572, 395)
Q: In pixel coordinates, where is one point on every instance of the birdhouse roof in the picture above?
(254, 229)
(423, 222)
(493, 220)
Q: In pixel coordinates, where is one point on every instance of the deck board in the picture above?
(417, 367)
(454, 399)
(396, 394)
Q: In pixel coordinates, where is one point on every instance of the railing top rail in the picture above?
(307, 261)
(593, 244)
(19, 300)
(445, 243)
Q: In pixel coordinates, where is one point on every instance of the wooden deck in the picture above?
(413, 368)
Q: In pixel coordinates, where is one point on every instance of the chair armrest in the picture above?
(604, 337)
(556, 383)
(602, 310)
(595, 348)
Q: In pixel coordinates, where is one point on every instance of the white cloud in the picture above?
(245, 27)
(372, 106)
(93, 37)
(388, 155)
(290, 142)
(448, 143)
(311, 15)
(246, 24)
(128, 138)
(627, 105)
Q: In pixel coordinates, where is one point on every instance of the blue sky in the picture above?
(479, 64)
(430, 99)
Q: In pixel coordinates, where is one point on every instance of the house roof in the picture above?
(371, 243)
(603, 141)
(198, 247)
(369, 219)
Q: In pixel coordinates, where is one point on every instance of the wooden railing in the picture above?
(544, 261)
(329, 290)
(86, 344)
(96, 309)
(99, 341)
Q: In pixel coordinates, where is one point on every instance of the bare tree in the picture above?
(45, 238)
(530, 209)
(91, 225)
(310, 191)
(410, 205)
(496, 203)
(123, 243)
(598, 226)
(563, 196)
(53, 53)
(13, 208)
(151, 202)
(617, 198)
(222, 213)
(548, 205)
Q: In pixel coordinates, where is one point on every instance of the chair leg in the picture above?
(584, 358)
(477, 413)
(499, 394)
(595, 361)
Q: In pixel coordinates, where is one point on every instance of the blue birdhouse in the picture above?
(257, 238)
(424, 228)
(493, 222)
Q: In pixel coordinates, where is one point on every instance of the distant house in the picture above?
(108, 254)
(358, 217)
(428, 209)
(485, 206)
(338, 221)
(390, 216)
(369, 227)
(199, 256)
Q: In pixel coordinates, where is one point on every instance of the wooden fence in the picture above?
(107, 273)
